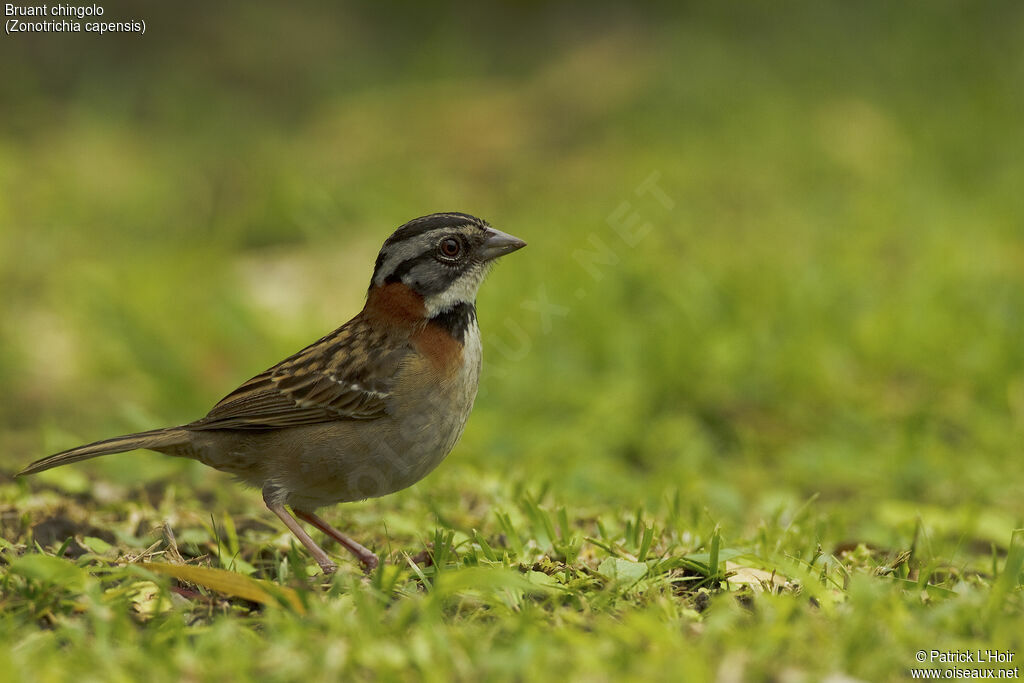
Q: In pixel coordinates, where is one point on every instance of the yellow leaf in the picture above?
(757, 579)
(230, 583)
(147, 598)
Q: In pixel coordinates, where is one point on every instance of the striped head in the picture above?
(443, 257)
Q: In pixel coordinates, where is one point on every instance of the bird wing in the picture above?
(343, 376)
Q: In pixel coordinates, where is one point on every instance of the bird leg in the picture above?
(368, 559)
(316, 551)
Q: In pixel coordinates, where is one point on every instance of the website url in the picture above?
(977, 673)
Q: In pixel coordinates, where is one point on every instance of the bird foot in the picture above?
(369, 561)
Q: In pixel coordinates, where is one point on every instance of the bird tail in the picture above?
(156, 439)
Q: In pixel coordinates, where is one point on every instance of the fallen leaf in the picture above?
(230, 583)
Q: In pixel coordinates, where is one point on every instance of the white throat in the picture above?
(461, 291)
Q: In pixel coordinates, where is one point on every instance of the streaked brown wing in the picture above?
(344, 376)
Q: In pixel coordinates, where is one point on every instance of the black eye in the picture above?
(450, 247)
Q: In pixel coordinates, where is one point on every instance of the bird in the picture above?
(370, 408)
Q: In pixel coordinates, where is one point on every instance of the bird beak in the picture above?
(499, 243)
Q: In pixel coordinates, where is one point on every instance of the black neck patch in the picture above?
(456, 320)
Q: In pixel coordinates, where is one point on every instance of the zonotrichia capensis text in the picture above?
(367, 410)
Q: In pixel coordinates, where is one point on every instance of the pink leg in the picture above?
(316, 551)
(368, 559)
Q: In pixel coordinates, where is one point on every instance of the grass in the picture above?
(753, 401)
(512, 587)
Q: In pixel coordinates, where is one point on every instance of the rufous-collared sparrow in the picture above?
(367, 410)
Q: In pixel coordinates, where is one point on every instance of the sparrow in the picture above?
(367, 410)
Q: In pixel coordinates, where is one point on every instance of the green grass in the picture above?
(762, 421)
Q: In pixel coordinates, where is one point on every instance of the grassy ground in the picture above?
(754, 395)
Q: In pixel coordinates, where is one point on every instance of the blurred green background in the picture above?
(822, 293)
